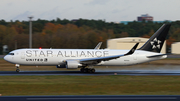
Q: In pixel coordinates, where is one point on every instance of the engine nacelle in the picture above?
(72, 64)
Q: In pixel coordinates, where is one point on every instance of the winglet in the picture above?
(132, 50)
(98, 46)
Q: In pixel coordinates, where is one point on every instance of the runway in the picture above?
(98, 73)
(91, 98)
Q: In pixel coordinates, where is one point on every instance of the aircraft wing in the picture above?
(96, 60)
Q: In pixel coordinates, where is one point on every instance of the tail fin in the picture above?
(156, 41)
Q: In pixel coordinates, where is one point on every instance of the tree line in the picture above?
(79, 33)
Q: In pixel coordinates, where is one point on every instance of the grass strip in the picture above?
(89, 85)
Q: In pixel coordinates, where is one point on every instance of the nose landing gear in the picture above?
(17, 68)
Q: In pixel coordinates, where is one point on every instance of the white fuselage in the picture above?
(58, 56)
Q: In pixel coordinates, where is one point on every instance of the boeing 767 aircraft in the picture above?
(85, 58)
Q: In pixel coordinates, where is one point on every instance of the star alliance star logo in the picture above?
(155, 43)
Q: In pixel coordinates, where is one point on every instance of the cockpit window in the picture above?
(11, 54)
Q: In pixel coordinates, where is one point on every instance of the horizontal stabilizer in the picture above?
(153, 56)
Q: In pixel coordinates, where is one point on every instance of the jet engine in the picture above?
(72, 64)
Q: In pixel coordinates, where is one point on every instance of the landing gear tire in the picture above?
(93, 70)
(87, 70)
(17, 70)
(82, 70)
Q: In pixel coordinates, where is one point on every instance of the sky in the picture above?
(108, 10)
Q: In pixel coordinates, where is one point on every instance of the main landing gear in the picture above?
(87, 70)
(17, 68)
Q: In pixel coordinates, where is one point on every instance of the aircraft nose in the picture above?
(6, 58)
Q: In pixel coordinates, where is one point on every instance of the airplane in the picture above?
(85, 58)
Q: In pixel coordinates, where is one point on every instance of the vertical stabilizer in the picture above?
(156, 41)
